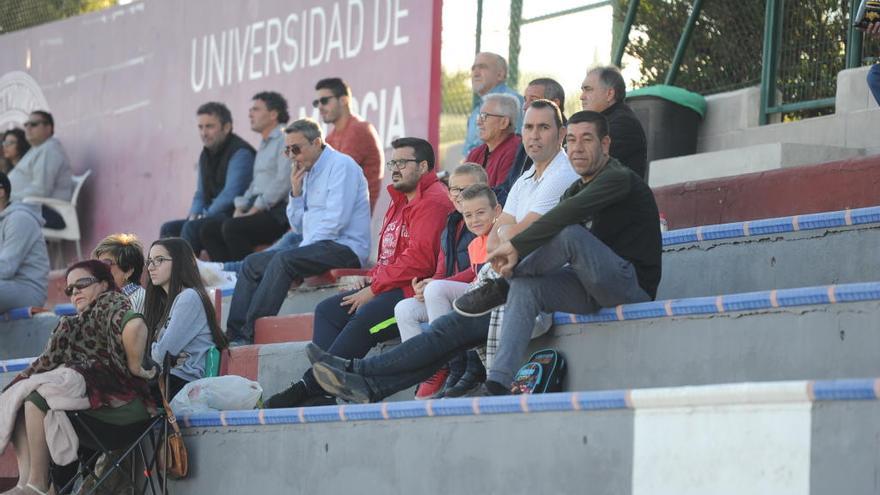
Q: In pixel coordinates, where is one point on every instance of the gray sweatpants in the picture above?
(18, 295)
(595, 277)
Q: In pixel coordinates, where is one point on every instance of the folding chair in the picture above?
(128, 438)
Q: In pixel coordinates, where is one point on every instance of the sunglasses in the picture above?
(80, 285)
(33, 123)
(292, 150)
(155, 262)
(322, 101)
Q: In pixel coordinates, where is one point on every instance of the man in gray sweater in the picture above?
(24, 262)
(43, 171)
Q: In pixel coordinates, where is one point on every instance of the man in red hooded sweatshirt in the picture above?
(350, 323)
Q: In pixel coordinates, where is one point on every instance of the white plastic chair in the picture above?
(67, 210)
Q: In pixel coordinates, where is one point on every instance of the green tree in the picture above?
(22, 14)
(725, 51)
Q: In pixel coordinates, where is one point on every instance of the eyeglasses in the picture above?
(155, 262)
(455, 191)
(400, 164)
(322, 100)
(80, 285)
(292, 150)
(9, 143)
(482, 116)
(32, 123)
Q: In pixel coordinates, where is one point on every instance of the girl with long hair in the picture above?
(178, 312)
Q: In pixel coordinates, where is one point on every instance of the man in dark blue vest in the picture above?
(226, 167)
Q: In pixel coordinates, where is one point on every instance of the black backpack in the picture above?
(543, 373)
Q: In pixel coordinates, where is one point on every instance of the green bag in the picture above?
(212, 363)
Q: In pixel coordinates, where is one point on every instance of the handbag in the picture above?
(175, 455)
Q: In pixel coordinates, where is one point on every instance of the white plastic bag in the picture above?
(219, 393)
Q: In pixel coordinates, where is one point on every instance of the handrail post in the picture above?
(514, 45)
(683, 43)
(770, 57)
(627, 26)
(854, 39)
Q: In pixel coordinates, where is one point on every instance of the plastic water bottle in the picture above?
(663, 225)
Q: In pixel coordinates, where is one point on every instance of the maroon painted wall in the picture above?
(124, 84)
(831, 186)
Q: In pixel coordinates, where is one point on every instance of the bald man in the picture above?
(488, 76)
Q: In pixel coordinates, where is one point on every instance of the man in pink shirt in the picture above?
(350, 135)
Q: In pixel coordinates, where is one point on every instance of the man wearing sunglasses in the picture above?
(24, 261)
(328, 207)
(44, 171)
(350, 135)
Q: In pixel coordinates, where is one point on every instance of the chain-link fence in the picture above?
(726, 48)
(21, 14)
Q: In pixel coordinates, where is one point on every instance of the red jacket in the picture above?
(410, 238)
(498, 162)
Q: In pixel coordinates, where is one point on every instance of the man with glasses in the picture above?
(497, 122)
(24, 261)
(226, 167)
(488, 76)
(350, 135)
(328, 206)
(351, 323)
(44, 171)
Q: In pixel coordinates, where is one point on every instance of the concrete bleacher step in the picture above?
(784, 252)
(780, 438)
(749, 159)
(822, 332)
(851, 183)
(775, 253)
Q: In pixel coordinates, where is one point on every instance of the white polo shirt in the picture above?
(540, 195)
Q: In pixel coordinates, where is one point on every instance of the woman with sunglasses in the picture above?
(104, 345)
(178, 312)
(15, 145)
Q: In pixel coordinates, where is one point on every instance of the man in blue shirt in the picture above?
(329, 206)
(487, 77)
(226, 167)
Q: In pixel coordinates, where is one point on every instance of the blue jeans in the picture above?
(574, 272)
(416, 359)
(289, 240)
(266, 277)
(874, 81)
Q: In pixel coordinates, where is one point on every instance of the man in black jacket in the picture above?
(603, 91)
(226, 168)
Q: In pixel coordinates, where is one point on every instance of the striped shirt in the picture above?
(135, 294)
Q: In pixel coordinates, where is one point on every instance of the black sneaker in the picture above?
(318, 355)
(483, 299)
(319, 400)
(343, 384)
(467, 384)
(293, 396)
(489, 389)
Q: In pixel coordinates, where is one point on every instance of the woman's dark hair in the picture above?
(184, 275)
(98, 270)
(23, 145)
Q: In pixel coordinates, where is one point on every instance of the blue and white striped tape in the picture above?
(796, 223)
(704, 395)
(777, 298)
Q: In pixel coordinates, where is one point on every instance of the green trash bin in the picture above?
(671, 118)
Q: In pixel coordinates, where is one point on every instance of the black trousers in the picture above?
(231, 239)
